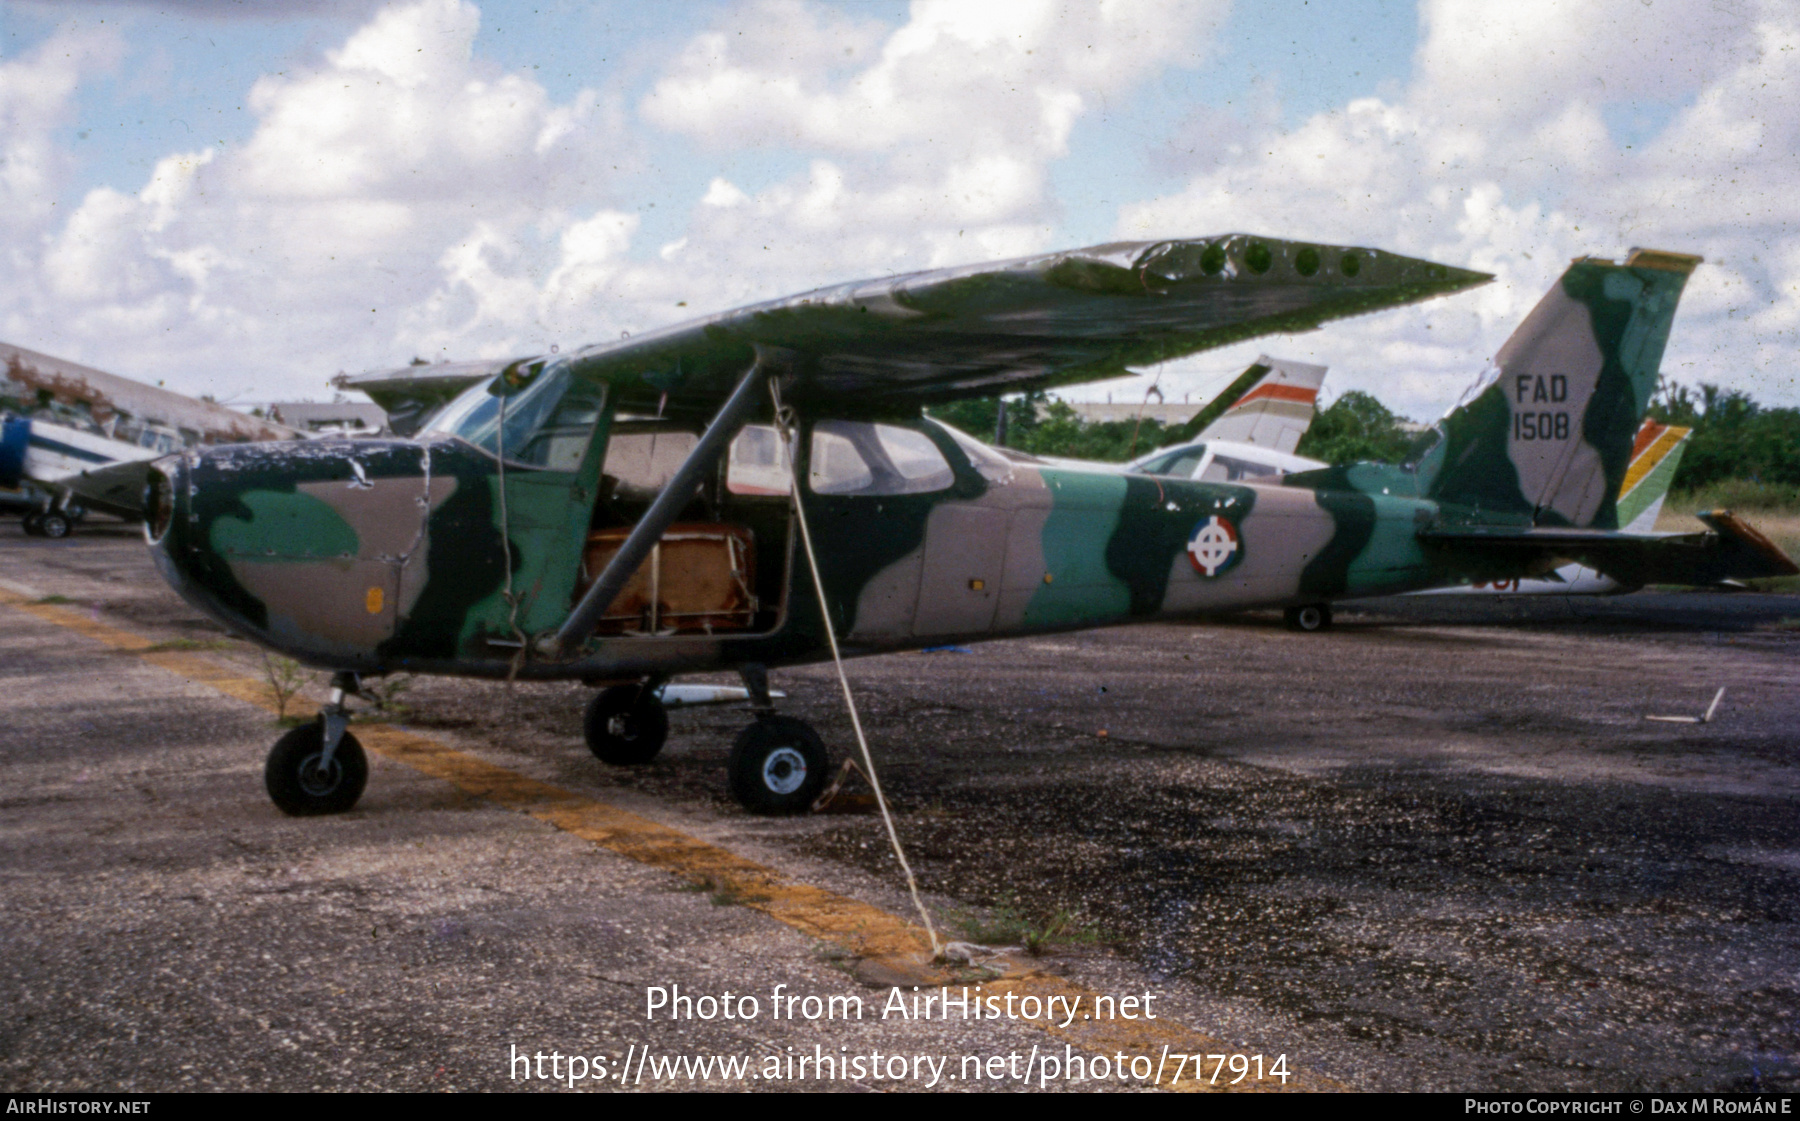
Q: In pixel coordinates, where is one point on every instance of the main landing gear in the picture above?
(53, 524)
(778, 764)
(319, 768)
(1308, 617)
(626, 725)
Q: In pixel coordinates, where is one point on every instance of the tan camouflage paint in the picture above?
(1283, 532)
(332, 599)
(1548, 369)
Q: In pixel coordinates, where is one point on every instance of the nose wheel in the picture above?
(304, 781)
(319, 768)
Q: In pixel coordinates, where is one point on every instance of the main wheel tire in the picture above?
(33, 525)
(625, 725)
(778, 766)
(55, 526)
(300, 787)
(1308, 617)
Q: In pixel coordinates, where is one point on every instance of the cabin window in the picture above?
(755, 465)
(875, 459)
(548, 423)
(1225, 469)
(1180, 463)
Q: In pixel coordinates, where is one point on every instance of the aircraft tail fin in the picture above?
(1548, 438)
(1655, 456)
(1271, 404)
(1277, 410)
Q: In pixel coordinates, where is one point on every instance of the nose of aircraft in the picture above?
(304, 547)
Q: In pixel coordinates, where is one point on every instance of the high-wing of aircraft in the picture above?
(86, 437)
(607, 515)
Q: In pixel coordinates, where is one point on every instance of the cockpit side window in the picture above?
(643, 455)
(856, 458)
(755, 465)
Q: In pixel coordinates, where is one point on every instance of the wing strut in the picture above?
(661, 515)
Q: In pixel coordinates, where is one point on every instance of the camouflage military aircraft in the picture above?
(623, 514)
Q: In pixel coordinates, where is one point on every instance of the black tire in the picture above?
(778, 766)
(55, 525)
(1308, 618)
(297, 786)
(625, 725)
(33, 527)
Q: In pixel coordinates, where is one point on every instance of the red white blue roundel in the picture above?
(1214, 546)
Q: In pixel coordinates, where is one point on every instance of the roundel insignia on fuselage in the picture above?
(1214, 546)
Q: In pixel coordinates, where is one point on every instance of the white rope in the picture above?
(507, 596)
(912, 885)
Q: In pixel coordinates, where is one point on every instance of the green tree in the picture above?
(1357, 428)
(1734, 437)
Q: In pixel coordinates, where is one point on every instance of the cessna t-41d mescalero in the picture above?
(623, 514)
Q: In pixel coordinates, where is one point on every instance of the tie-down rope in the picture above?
(783, 419)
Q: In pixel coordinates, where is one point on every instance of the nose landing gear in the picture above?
(319, 768)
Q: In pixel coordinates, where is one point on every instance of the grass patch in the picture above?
(54, 601)
(1791, 623)
(1739, 495)
(1008, 923)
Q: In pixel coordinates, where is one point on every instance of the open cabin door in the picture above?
(721, 568)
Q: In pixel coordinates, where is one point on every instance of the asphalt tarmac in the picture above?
(1439, 847)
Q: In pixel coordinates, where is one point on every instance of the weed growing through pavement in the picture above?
(1008, 924)
(285, 678)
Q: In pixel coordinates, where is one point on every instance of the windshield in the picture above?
(548, 423)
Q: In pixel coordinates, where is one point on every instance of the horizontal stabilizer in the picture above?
(1733, 550)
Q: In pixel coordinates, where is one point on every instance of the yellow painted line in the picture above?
(865, 930)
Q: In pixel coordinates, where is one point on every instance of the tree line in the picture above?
(1734, 436)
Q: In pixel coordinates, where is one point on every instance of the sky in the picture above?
(244, 198)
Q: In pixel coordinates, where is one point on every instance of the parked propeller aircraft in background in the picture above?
(739, 491)
(1254, 437)
(1248, 431)
(86, 437)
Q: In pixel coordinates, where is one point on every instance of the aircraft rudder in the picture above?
(1655, 457)
(1277, 410)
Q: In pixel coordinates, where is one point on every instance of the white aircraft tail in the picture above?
(1277, 409)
